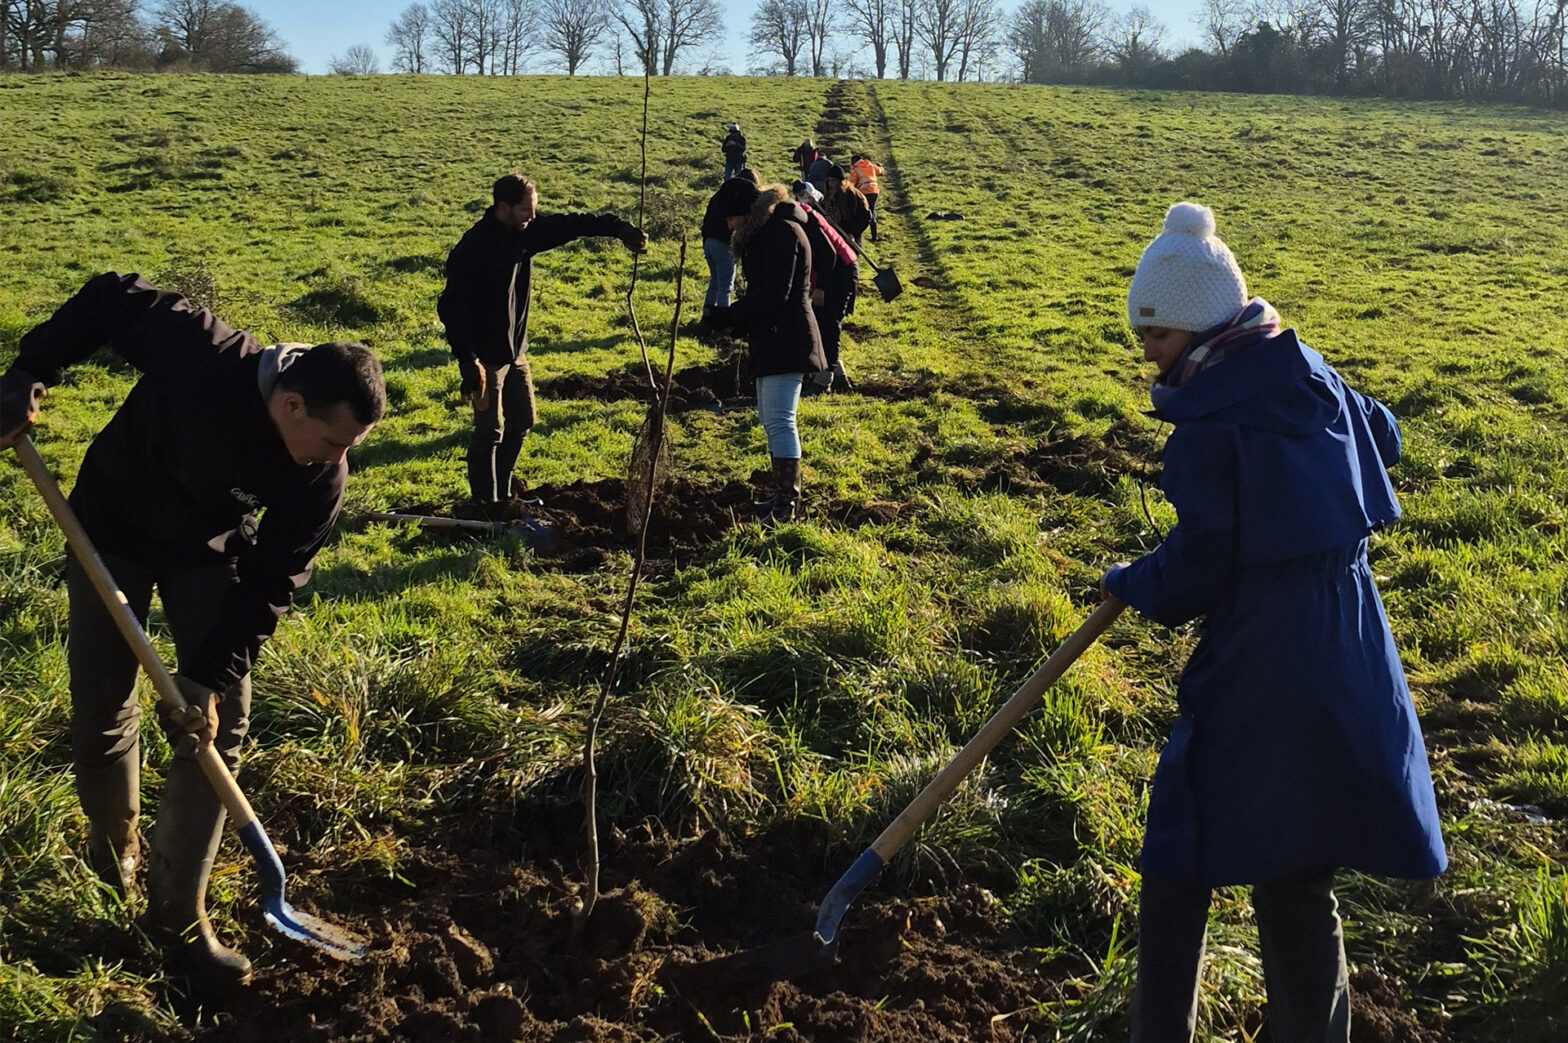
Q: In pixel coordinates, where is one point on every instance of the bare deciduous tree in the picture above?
(358, 60)
(821, 23)
(1220, 22)
(904, 35)
(778, 29)
(979, 28)
(219, 37)
(408, 37)
(571, 28)
(869, 22)
(450, 33)
(936, 26)
(1133, 39)
(660, 31)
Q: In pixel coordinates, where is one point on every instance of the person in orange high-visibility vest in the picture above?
(863, 175)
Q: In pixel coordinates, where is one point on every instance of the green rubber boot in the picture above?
(184, 845)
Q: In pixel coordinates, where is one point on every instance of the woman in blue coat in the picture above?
(1297, 750)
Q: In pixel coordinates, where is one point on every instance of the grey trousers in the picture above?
(1302, 944)
(105, 715)
(499, 430)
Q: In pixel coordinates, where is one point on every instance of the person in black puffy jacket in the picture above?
(775, 316)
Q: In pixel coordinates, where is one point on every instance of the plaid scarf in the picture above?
(1257, 321)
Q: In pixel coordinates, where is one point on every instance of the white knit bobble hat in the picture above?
(1187, 278)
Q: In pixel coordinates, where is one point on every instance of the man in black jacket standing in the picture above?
(485, 311)
(734, 148)
(217, 429)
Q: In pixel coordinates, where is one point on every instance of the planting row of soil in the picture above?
(477, 943)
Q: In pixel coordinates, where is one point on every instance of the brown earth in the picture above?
(719, 385)
(475, 942)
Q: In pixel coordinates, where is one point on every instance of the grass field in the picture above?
(806, 681)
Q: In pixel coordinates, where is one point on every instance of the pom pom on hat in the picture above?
(1187, 278)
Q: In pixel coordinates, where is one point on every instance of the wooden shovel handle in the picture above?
(130, 627)
(1003, 721)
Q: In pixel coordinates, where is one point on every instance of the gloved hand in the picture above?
(198, 720)
(475, 387)
(636, 239)
(20, 397)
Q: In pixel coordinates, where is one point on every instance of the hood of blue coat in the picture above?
(1278, 384)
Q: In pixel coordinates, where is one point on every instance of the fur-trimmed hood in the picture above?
(772, 197)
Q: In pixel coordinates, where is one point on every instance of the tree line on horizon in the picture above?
(1485, 50)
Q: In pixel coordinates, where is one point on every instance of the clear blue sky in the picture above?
(315, 30)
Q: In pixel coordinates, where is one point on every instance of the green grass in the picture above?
(820, 670)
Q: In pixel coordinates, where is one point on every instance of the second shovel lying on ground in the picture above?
(803, 954)
(532, 531)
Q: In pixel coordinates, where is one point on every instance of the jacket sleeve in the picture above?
(1385, 429)
(548, 231)
(1185, 575)
(154, 330)
(458, 306)
(269, 571)
(770, 273)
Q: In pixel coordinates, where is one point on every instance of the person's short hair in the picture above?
(855, 157)
(513, 188)
(337, 372)
(751, 175)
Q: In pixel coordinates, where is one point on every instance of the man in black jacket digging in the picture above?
(485, 311)
(217, 430)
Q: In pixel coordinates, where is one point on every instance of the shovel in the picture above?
(297, 925)
(797, 956)
(533, 532)
(885, 279)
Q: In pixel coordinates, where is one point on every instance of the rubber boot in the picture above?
(786, 496)
(184, 845)
(840, 380)
(111, 798)
(506, 455)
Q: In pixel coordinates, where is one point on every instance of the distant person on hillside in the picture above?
(769, 239)
(845, 206)
(485, 311)
(1297, 751)
(805, 155)
(734, 148)
(218, 430)
(863, 174)
(721, 263)
(817, 173)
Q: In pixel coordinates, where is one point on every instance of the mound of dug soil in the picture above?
(481, 947)
(724, 382)
(585, 521)
(478, 945)
(1080, 464)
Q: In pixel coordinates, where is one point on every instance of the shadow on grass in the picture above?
(425, 358)
(457, 561)
(383, 452)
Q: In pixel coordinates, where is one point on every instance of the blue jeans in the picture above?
(733, 169)
(721, 273)
(778, 397)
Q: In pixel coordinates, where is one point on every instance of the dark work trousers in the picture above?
(105, 714)
(1302, 944)
(499, 430)
(837, 305)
